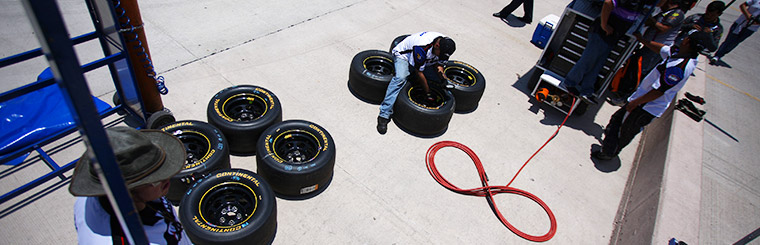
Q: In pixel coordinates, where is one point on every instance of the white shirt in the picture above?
(417, 39)
(93, 224)
(652, 81)
(753, 6)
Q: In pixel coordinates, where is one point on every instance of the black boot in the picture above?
(382, 125)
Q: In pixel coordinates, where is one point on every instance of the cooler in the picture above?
(544, 30)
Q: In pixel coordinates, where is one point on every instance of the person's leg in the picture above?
(395, 85)
(632, 125)
(528, 9)
(612, 131)
(507, 10)
(601, 51)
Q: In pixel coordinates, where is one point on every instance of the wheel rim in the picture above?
(420, 98)
(379, 65)
(296, 146)
(228, 204)
(245, 107)
(460, 76)
(196, 145)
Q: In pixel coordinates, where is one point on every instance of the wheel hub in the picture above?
(379, 65)
(229, 204)
(245, 107)
(297, 146)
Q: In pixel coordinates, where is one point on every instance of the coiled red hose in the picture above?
(488, 190)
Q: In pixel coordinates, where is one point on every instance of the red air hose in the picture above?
(487, 190)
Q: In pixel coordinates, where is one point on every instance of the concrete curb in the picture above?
(663, 193)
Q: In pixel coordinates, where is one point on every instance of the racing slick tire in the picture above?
(415, 114)
(242, 112)
(297, 158)
(231, 206)
(369, 75)
(207, 151)
(469, 85)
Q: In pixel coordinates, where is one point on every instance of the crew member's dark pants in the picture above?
(527, 8)
(622, 128)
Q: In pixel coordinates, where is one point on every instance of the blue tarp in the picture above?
(34, 116)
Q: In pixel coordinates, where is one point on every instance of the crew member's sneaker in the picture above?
(714, 59)
(382, 125)
(589, 99)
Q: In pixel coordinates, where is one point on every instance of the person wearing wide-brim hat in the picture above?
(147, 160)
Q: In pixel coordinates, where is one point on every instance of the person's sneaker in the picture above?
(589, 99)
(714, 59)
(601, 155)
(498, 15)
(382, 125)
(617, 101)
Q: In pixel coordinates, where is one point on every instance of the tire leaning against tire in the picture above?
(242, 112)
(207, 151)
(421, 119)
(233, 206)
(469, 85)
(296, 157)
(369, 75)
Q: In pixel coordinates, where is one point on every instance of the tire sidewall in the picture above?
(420, 119)
(467, 96)
(289, 179)
(258, 229)
(366, 84)
(217, 157)
(242, 135)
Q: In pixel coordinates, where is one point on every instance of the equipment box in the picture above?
(563, 50)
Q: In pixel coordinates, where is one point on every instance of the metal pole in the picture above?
(51, 32)
(139, 53)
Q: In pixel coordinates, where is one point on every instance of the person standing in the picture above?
(613, 22)
(147, 160)
(527, 8)
(743, 27)
(414, 53)
(655, 92)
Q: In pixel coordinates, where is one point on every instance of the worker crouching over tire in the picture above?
(414, 54)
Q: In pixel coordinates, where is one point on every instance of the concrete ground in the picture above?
(381, 192)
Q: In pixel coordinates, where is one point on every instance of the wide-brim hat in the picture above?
(144, 156)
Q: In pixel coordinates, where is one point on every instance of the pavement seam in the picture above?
(262, 36)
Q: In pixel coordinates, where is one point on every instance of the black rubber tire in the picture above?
(233, 206)
(396, 41)
(469, 85)
(369, 75)
(207, 151)
(159, 119)
(421, 119)
(242, 113)
(296, 157)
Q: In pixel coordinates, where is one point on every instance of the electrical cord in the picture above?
(127, 27)
(488, 190)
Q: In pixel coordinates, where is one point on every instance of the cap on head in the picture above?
(447, 47)
(716, 6)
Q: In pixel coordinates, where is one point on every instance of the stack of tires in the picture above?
(372, 70)
(220, 205)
